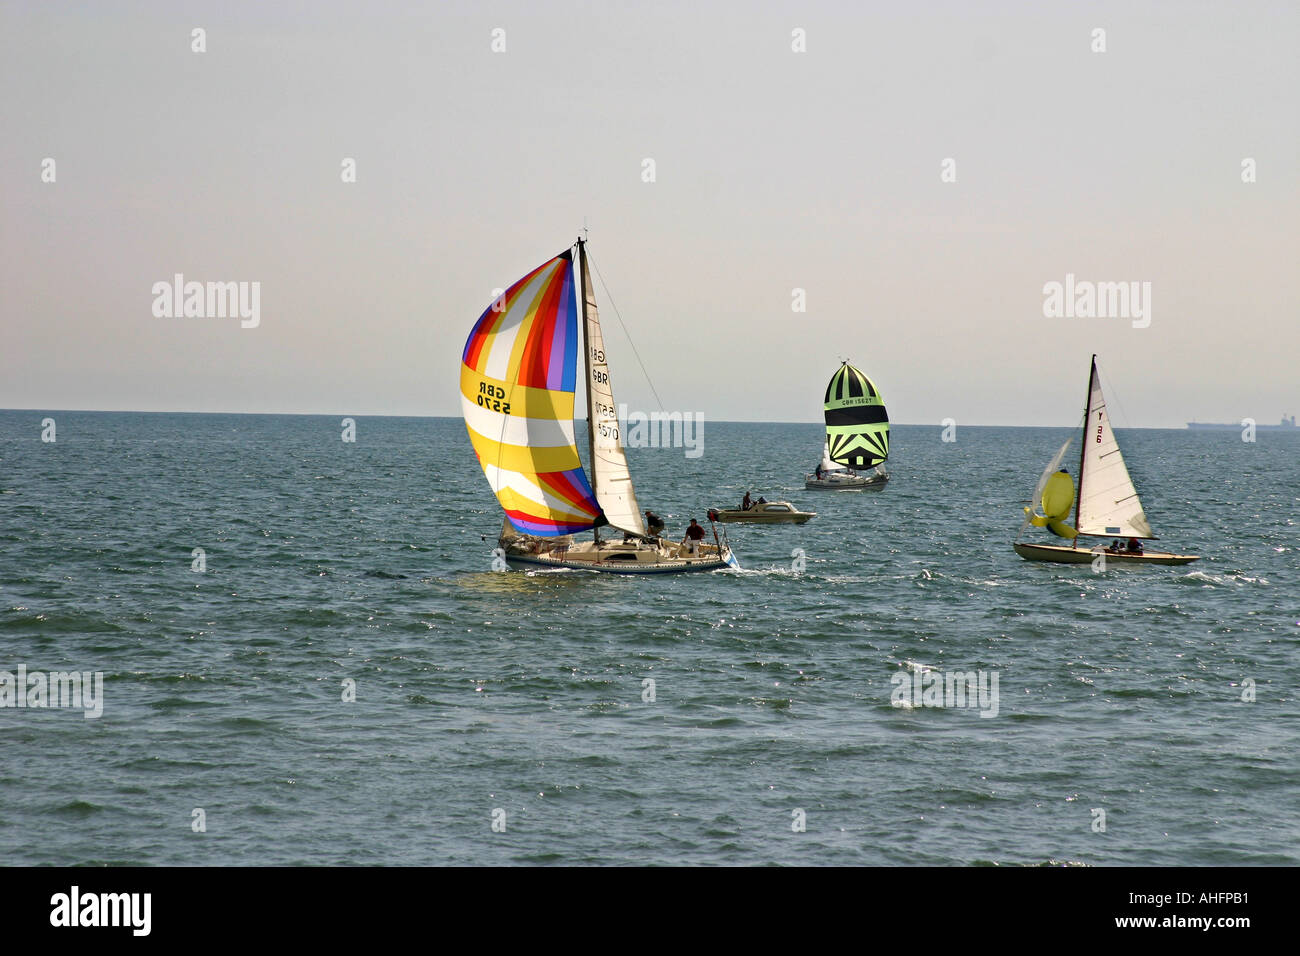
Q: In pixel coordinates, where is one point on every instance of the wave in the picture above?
(1205, 578)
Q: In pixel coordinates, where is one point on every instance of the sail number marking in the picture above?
(490, 397)
(606, 420)
(601, 378)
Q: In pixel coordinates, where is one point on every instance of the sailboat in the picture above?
(1105, 502)
(518, 381)
(857, 434)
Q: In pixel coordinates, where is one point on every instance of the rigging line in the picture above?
(1114, 394)
(1123, 413)
(596, 269)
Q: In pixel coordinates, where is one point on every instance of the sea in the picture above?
(307, 656)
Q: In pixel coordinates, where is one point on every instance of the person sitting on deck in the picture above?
(747, 503)
(1115, 547)
(1134, 546)
(694, 535)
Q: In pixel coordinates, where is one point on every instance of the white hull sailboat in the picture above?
(1106, 503)
(616, 557)
(834, 477)
(518, 385)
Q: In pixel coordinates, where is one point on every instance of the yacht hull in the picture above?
(533, 563)
(846, 484)
(1062, 554)
(622, 558)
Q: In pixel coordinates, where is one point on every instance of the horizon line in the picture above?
(719, 421)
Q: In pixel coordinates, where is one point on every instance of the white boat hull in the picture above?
(765, 513)
(664, 557)
(844, 483)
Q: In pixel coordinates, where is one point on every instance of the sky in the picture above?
(774, 170)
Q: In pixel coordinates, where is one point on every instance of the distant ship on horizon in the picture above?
(1287, 423)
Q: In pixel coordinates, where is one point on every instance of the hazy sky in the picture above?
(774, 170)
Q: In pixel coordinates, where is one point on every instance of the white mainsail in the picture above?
(1108, 502)
(611, 479)
(827, 464)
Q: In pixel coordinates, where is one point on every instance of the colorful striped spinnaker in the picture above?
(857, 426)
(517, 379)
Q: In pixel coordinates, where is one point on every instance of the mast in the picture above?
(1083, 447)
(586, 348)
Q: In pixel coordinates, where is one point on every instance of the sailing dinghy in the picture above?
(518, 381)
(857, 434)
(1105, 502)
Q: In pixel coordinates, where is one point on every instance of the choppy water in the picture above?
(478, 691)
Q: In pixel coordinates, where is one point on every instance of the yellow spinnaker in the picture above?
(1058, 498)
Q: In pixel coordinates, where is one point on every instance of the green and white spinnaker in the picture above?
(857, 426)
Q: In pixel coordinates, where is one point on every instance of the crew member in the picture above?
(694, 535)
